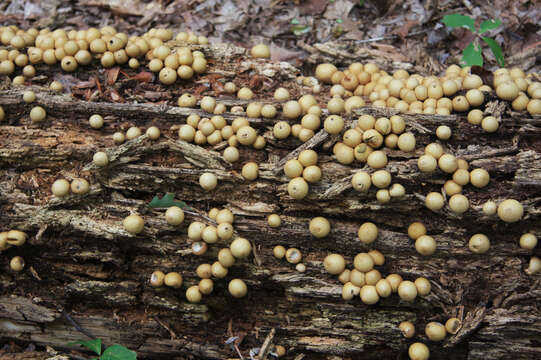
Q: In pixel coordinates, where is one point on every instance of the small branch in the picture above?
(265, 348)
(166, 327)
(468, 5)
(75, 325)
(389, 37)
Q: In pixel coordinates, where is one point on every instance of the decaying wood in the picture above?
(83, 261)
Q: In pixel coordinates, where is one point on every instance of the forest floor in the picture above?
(405, 31)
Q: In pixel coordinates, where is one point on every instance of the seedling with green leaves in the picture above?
(473, 54)
(113, 352)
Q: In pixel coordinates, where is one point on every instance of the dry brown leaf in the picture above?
(144, 76)
(389, 52)
(115, 96)
(313, 7)
(256, 82)
(282, 54)
(404, 30)
(85, 84)
(339, 9)
(123, 7)
(112, 75)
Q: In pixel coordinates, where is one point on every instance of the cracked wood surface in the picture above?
(81, 259)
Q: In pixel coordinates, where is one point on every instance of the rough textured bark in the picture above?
(81, 262)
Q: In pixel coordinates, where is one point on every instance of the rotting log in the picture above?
(81, 262)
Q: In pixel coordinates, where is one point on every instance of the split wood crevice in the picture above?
(81, 259)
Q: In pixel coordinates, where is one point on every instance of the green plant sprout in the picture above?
(113, 352)
(472, 54)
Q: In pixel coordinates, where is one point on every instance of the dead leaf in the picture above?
(85, 84)
(228, 17)
(282, 54)
(97, 81)
(154, 95)
(404, 30)
(312, 7)
(354, 35)
(200, 89)
(463, 38)
(112, 75)
(144, 76)
(217, 87)
(115, 96)
(388, 52)
(349, 25)
(339, 9)
(122, 7)
(194, 22)
(256, 82)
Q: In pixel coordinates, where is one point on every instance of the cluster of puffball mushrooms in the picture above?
(363, 141)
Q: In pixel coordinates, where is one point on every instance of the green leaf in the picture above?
(472, 55)
(166, 201)
(459, 20)
(489, 25)
(118, 352)
(94, 345)
(496, 50)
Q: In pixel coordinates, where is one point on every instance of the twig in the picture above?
(75, 325)
(166, 327)
(238, 351)
(35, 273)
(388, 37)
(266, 345)
(468, 5)
(232, 343)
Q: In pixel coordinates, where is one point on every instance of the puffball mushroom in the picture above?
(334, 264)
(260, 51)
(510, 210)
(133, 224)
(368, 233)
(208, 181)
(320, 227)
(407, 328)
(240, 248)
(418, 351)
(237, 288)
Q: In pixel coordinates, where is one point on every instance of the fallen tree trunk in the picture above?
(83, 267)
